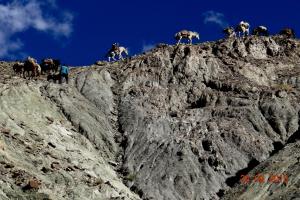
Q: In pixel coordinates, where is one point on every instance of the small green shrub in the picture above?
(130, 177)
(284, 87)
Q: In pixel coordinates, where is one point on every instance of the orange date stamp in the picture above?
(264, 178)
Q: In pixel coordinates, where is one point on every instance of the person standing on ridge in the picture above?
(64, 73)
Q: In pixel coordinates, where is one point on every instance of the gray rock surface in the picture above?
(175, 123)
(61, 138)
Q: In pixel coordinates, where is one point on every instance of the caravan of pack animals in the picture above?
(30, 67)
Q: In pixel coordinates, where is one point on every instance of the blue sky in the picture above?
(81, 32)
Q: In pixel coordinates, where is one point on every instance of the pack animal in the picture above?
(261, 31)
(184, 34)
(31, 66)
(229, 32)
(18, 68)
(53, 77)
(50, 65)
(116, 51)
(243, 28)
(288, 32)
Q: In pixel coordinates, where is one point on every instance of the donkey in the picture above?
(229, 32)
(18, 68)
(261, 31)
(187, 35)
(30, 65)
(54, 77)
(243, 27)
(116, 51)
(49, 64)
(288, 32)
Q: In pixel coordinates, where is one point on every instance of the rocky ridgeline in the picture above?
(174, 123)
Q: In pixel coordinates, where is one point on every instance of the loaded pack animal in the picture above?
(50, 65)
(261, 31)
(288, 32)
(18, 68)
(53, 77)
(189, 35)
(31, 65)
(116, 50)
(243, 28)
(229, 32)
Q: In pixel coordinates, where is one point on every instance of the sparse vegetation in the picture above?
(284, 87)
(131, 177)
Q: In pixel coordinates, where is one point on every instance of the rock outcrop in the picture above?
(174, 123)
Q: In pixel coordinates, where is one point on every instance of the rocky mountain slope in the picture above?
(176, 123)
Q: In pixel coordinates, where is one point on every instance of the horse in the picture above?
(261, 30)
(229, 32)
(32, 67)
(54, 77)
(117, 51)
(38, 69)
(18, 68)
(186, 34)
(243, 27)
(50, 65)
(288, 32)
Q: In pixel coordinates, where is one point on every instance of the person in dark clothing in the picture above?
(64, 73)
(115, 47)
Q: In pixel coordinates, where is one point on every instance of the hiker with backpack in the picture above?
(64, 73)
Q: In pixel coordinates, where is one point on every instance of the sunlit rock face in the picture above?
(178, 122)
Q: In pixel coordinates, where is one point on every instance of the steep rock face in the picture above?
(175, 123)
(285, 166)
(60, 140)
(193, 116)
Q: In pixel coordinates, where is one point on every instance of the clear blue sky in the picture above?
(81, 32)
